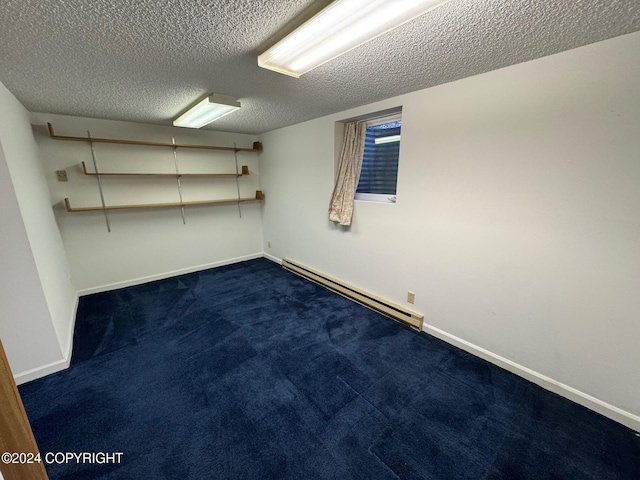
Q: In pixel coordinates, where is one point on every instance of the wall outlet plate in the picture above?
(411, 297)
(61, 175)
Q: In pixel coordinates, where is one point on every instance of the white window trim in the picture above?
(375, 198)
(394, 117)
(379, 197)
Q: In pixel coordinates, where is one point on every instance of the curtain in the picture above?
(341, 205)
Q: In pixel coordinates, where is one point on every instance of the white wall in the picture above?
(150, 243)
(37, 297)
(516, 222)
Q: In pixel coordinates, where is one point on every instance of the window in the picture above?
(379, 174)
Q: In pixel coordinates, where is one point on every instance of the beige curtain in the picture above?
(341, 206)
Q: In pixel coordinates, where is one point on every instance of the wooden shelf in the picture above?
(257, 146)
(245, 171)
(259, 196)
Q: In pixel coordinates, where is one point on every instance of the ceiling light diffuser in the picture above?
(340, 27)
(212, 108)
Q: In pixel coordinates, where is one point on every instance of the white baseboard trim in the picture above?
(614, 413)
(162, 276)
(43, 371)
(62, 364)
(48, 369)
(272, 258)
(617, 414)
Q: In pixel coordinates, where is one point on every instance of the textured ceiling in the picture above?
(146, 60)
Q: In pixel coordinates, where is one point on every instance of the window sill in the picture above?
(375, 198)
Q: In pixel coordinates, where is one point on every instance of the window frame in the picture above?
(383, 198)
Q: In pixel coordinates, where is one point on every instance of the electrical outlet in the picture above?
(61, 175)
(269, 244)
(411, 297)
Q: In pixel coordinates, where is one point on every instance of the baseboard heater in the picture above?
(397, 312)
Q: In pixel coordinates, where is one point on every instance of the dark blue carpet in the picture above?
(248, 371)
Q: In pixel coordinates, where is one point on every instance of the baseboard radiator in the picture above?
(397, 312)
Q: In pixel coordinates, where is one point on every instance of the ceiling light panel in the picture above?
(212, 108)
(340, 27)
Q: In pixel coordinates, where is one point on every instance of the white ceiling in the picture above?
(146, 60)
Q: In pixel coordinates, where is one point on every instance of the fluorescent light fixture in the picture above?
(212, 108)
(340, 27)
(389, 139)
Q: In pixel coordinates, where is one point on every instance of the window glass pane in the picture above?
(379, 172)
